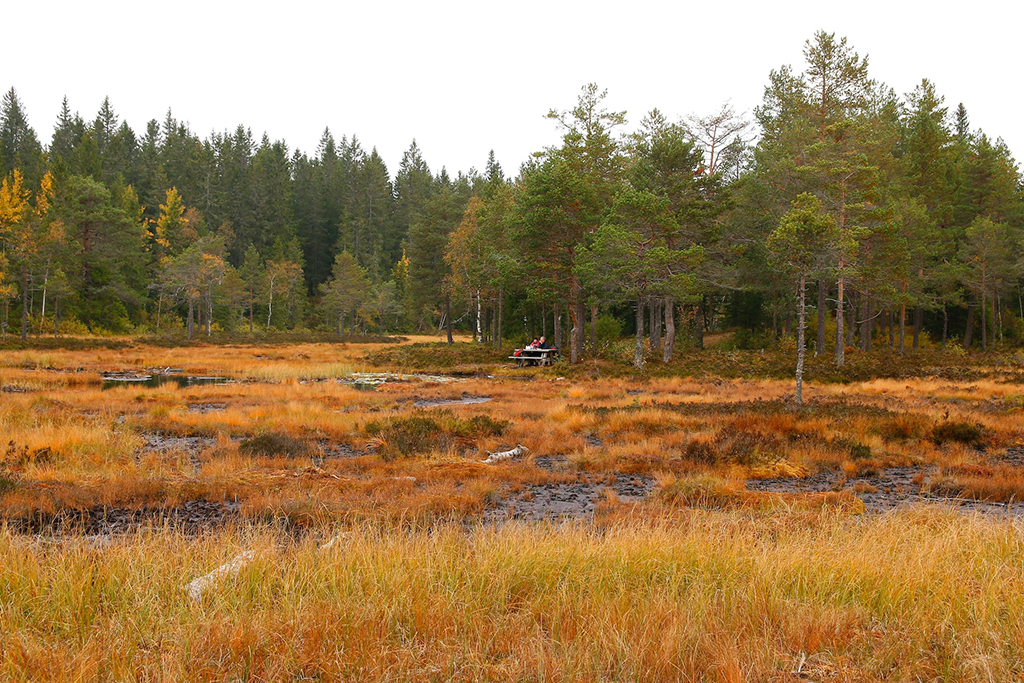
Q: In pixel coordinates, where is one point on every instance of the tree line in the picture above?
(841, 208)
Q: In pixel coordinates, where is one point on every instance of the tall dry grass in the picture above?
(707, 596)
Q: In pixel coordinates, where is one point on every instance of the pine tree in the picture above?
(19, 146)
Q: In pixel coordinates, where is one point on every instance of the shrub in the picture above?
(7, 483)
(748, 339)
(968, 433)
(408, 436)
(485, 425)
(903, 427)
(608, 328)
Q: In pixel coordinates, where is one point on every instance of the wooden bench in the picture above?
(535, 356)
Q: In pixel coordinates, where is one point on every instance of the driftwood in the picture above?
(196, 589)
(505, 455)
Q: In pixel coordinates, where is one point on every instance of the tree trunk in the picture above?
(46, 280)
(447, 317)
(998, 315)
(969, 332)
(655, 324)
(984, 327)
(840, 339)
(558, 327)
(544, 320)
(903, 328)
(191, 317)
(593, 328)
(24, 307)
(501, 319)
(638, 347)
(698, 324)
(270, 304)
(822, 316)
(945, 325)
(871, 323)
(578, 314)
(479, 331)
(864, 322)
(670, 330)
(851, 324)
(918, 323)
(787, 330)
(801, 325)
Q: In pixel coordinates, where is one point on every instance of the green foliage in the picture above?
(609, 328)
(959, 431)
(437, 431)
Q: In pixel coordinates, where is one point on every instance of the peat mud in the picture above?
(191, 446)
(891, 488)
(204, 408)
(568, 501)
(193, 516)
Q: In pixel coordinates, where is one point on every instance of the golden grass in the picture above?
(716, 596)
(66, 434)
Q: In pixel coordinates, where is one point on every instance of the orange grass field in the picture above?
(654, 529)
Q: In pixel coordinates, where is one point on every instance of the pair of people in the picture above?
(541, 343)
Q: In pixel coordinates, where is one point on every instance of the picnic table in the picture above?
(534, 356)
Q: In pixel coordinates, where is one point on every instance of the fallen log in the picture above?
(197, 587)
(505, 455)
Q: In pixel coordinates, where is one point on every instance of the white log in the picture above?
(196, 589)
(505, 455)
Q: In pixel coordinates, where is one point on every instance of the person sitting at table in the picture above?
(535, 344)
(543, 344)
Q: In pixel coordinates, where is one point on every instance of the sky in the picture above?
(463, 78)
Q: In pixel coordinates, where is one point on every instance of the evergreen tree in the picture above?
(19, 146)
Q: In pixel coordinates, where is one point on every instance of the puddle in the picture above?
(369, 381)
(143, 379)
(464, 400)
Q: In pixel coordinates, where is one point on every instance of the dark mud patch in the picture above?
(1014, 456)
(890, 489)
(568, 501)
(204, 408)
(194, 516)
(464, 400)
(341, 451)
(551, 463)
(191, 446)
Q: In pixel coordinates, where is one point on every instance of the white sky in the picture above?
(465, 77)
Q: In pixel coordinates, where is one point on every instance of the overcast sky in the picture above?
(466, 77)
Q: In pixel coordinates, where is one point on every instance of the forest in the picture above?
(839, 207)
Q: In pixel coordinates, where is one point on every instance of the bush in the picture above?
(608, 328)
(751, 340)
(968, 433)
(408, 436)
